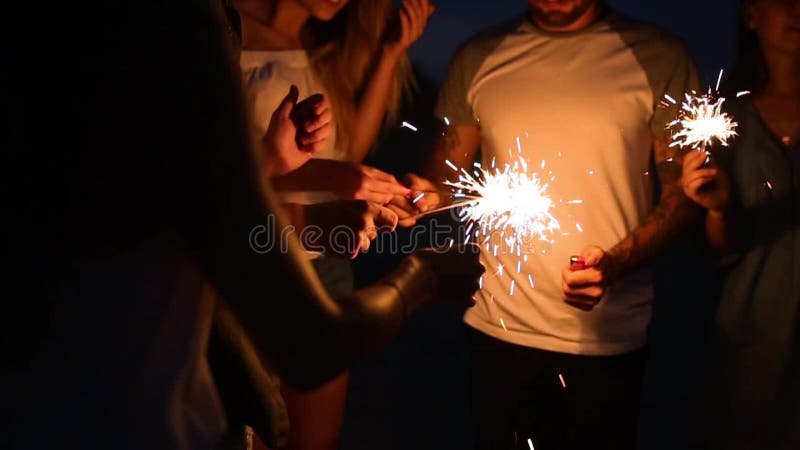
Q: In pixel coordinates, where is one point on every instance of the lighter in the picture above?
(577, 263)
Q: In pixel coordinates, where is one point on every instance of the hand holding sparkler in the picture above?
(424, 196)
(708, 186)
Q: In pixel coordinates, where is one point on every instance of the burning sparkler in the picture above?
(701, 121)
(510, 198)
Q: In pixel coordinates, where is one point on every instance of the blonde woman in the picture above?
(354, 52)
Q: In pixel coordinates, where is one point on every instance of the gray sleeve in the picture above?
(452, 102)
(680, 80)
(668, 65)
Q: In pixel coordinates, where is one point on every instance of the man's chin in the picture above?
(555, 19)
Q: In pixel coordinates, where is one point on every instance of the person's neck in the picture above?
(784, 75)
(588, 18)
(279, 32)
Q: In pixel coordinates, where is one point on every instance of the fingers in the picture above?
(693, 188)
(582, 289)
(693, 161)
(325, 117)
(385, 219)
(417, 183)
(319, 135)
(288, 103)
(592, 255)
(391, 188)
(580, 278)
(405, 26)
(413, 19)
(405, 219)
(312, 113)
(410, 7)
(375, 185)
(378, 174)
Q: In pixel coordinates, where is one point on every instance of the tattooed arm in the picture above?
(674, 214)
(457, 144)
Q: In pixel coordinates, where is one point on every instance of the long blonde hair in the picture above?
(343, 54)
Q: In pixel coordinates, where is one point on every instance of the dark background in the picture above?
(414, 395)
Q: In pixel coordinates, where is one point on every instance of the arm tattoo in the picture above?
(673, 215)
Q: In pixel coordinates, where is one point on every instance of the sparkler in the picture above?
(507, 199)
(701, 121)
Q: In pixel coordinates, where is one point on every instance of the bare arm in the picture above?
(710, 187)
(371, 108)
(350, 181)
(673, 214)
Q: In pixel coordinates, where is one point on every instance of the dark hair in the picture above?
(750, 72)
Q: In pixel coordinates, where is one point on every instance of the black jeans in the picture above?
(518, 395)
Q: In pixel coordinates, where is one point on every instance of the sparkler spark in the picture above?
(701, 121)
(506, 199)
(409, 126)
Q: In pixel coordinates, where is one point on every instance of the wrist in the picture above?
(391, 54)
(718, 214)
(611, 266)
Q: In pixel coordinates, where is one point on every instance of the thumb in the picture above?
(288, 102)
(592, 255)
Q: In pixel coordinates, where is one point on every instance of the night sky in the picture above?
(707, 26)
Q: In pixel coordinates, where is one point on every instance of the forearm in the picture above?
(673, 215)
(371, 108)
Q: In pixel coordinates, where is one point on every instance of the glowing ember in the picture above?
(530, 444)
(409, 126)
(563, 383)
(701, 121)
(506, 199)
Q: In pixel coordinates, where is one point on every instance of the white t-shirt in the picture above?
(583, 108)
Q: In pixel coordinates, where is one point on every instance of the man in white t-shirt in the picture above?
(574, 89)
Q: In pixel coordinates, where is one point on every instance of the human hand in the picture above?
(425, 193)
(359, 182)
(342, 228)
(296, 132)
(457, 271)
(708, 186)
(414, 17)
(584, 281)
